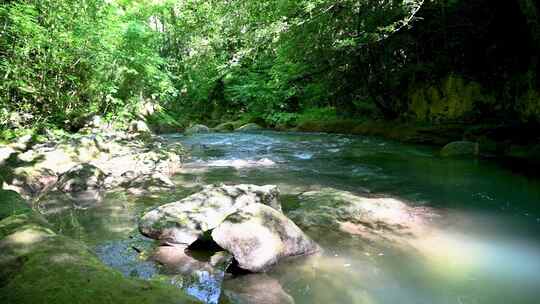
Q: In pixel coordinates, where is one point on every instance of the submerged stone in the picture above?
(255, 289)
(200, 276)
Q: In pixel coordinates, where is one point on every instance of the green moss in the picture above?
(39, 266)
(225, 127)
(453, 99)
(328, 126)
(528, 106)
(11, 203)
(162, 122)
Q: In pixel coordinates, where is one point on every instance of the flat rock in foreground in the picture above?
(371, 218)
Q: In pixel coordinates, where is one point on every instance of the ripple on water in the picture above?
(303, 155)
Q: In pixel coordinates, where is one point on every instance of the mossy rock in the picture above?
(161, 122)
(225, 127)
(452, 99)
(39, 266)
(196, 129)
(250, 127)
(11, 203)
(460, 149)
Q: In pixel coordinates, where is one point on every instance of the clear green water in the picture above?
(486, 248)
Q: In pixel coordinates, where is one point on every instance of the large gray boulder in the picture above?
(460, 148)
(259, 236)
(195, 129)
(185, 221)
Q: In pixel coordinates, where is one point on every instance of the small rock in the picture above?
(460, 148)
(196, 129)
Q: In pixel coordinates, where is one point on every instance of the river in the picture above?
(485, 248)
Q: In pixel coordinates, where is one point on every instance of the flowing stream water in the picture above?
(486, 248)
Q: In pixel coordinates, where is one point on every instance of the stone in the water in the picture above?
(195, 129)
(201, 277)
(147, 183)
(81, 178)
(372, 218)
(185, 221)
(255, 289)
(460, 148)
(249, 128)
(259, 236)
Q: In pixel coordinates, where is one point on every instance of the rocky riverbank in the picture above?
(85, 164)
(38, 264)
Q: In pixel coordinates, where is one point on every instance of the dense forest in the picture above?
(275, 62)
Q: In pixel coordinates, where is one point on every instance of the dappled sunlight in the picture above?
(450, 254)
(64, 258)
(242, 163)
(24, 238)
(469, 254)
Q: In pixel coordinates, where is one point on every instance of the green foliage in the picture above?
(62, 61)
